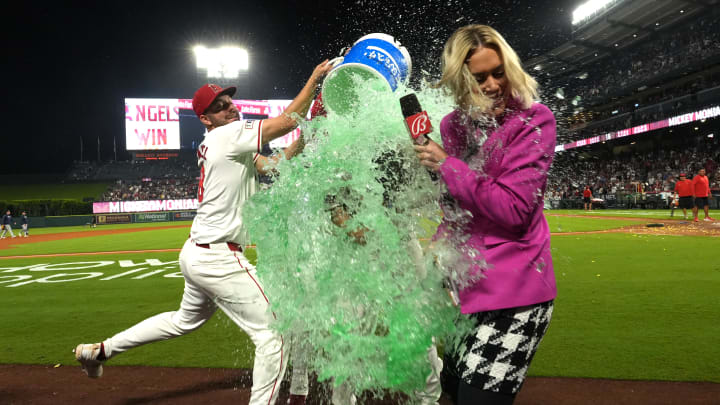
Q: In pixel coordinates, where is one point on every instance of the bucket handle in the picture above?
(336, 61)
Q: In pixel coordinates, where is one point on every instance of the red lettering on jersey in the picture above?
(201, 186)
(202, 151)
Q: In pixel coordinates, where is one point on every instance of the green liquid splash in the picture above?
(365, 311)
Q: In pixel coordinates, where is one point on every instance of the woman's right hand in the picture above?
(431, 155)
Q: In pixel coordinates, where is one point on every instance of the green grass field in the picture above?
(644, 214)
(629, 306)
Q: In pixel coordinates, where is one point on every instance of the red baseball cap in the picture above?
(205, 95)
(682, 175)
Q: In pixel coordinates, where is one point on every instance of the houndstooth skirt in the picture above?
(496, 354)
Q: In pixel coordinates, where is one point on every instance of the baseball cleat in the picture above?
(87, 355)
(695, 220)
(708, 219)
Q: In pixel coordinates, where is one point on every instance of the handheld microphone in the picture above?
(416, 120)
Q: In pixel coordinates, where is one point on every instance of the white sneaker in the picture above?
(87, 355)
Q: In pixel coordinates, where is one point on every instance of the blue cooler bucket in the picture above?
(376, 59)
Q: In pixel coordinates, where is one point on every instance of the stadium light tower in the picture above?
(221, 63)
(588, 9)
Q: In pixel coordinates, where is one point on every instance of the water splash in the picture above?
(365, 299)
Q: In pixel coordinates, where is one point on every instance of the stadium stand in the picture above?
(141, 180)
(634, 63)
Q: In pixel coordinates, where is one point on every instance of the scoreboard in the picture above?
(155, 127)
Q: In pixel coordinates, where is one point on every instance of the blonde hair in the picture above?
(456, 76)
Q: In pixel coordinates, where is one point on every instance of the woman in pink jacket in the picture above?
(497, 149)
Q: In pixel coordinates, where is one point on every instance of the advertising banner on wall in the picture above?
(144, 206)
(681, 119)
(152, 217)
(184, 215)
(114, 219)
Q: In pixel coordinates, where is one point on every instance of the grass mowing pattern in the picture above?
(44, 322)
(650, 314)
(87, 228)
(634, 307)
(172, 238)
(573, 224)
(663, 214)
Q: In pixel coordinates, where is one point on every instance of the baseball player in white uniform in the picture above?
(217, 274)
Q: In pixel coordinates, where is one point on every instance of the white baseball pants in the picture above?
(343, 395)
(218, 278)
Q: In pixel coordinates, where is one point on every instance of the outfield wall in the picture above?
(105, 219)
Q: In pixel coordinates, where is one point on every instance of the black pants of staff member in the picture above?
(463, 393)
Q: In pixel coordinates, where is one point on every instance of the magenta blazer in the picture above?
(505, 200)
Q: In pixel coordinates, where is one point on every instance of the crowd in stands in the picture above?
(141, 180)
(152, 189)
(652, 171)
(131, 170)
(629, 115)
(670, 51)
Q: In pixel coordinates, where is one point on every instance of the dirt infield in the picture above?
(23, 384)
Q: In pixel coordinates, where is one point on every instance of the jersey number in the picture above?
(201, 188)
(201, 158)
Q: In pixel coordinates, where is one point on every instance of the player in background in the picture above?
(673, 202)
(587, 198)
(25, 224)
(701, 192)
(217, 274)
(684, 190)
(7, 225)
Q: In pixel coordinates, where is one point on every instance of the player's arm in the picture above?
(284, 123)
(266, 164)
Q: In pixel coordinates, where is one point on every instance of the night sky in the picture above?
(68, 69)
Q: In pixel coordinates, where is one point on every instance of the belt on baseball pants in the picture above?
(220, 246)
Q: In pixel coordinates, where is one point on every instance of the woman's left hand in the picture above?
(431, 155)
